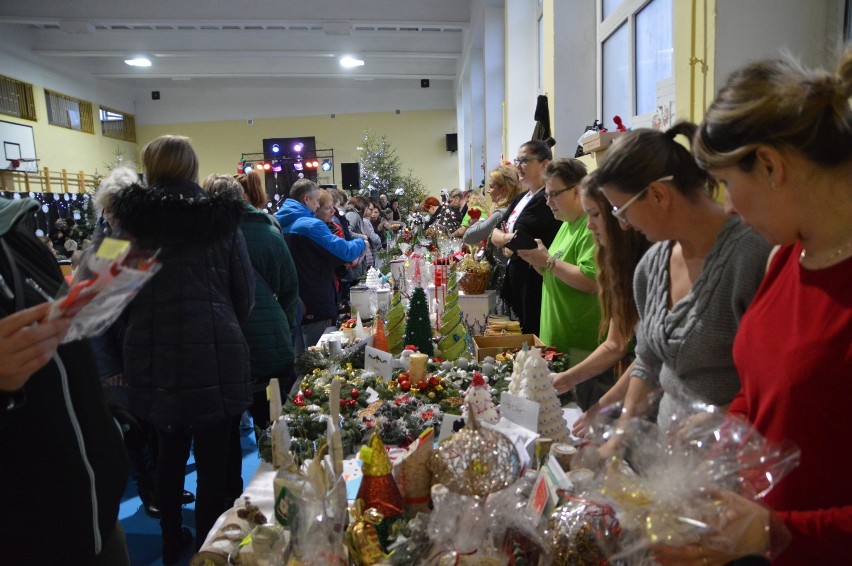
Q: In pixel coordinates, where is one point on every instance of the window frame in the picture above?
(128, 130)
(24, 98)
(56, 102)
(625, 13)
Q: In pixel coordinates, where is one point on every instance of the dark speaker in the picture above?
(452, 142)
(350, 174)
(424, 83)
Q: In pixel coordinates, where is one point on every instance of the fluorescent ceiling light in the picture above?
(138, 62)
(349, 61)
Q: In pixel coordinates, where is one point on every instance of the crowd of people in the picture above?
(652, 288)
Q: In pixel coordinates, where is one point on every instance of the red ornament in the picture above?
(434, 380)
(422, 385)
(350, 402)
(354, 393)
(308, 392)
(405, 385)
(404, 376)
(343, 403)
(299, 401)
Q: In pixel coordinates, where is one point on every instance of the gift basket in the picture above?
(473, 275)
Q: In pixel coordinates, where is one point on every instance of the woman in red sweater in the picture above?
(780, 137)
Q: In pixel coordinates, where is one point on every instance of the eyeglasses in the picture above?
(524, 160)
(554, 194)
(620, 211)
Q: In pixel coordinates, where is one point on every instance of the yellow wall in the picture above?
(418, 138)
(694, 33)
(60, 148)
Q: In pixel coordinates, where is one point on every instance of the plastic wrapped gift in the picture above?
(670, 491)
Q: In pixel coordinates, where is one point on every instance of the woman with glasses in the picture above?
(570, 313)
(695, 283)
(529, 214)
(780, 137)
(617, 253)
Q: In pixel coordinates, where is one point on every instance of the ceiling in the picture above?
(200, 40)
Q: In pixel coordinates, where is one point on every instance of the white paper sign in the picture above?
(520, 411)
(378, 362)
(447, 425)
(522, 438)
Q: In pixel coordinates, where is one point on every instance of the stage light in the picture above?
(297, 165)
(350, 61)
(276, 166)
(298, 147)
(326, 164)
(266, 166)
(247, 168)
(276, 148)
(314, 163)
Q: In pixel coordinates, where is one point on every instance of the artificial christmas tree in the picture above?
(418, 330)
(536, 385)
(380, 173)
(478, 399)
(396, 325)
(378, 488)
(453, 343)
(380, 339)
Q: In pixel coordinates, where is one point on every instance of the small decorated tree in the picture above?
(418, 329)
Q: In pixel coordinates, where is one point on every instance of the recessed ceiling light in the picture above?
(138, 62)
(350, 61)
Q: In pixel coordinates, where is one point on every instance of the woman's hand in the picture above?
(562, 381)
(500, 238)
(743, 525)
(27, 342)
(580, 428)
(536, 257)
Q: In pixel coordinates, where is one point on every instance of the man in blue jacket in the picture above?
(316, 253)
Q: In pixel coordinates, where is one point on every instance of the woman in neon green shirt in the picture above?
(570, 312)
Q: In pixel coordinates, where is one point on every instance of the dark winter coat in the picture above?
(63, 468)
(316, 253)
(186, 361)
(268, 330)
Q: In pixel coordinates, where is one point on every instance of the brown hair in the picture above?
(781, 104)
(640, 157)
(170, 158)
(359, 203)
(541, 149)
(568, 170)
(224, 185)
(506, 176)
(325, 197)
(254, 193)
(616, 263)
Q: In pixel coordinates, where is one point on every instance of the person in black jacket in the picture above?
(186, 360)
(530, 214)
(63, 463)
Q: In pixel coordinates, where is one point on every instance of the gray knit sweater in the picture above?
(688, 349)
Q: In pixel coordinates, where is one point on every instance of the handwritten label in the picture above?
(378, 362)
(520, 411)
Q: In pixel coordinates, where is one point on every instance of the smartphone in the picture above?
(522, 241)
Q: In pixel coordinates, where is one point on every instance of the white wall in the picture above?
(760, 29)
(203, 100)
(521, 72)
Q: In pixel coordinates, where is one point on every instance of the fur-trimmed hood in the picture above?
(176, 212)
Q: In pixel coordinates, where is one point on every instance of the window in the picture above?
(16, 98)
(67, 112)
(118, 125)
(635, 39)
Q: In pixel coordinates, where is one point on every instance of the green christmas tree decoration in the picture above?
(453, 343)
(395, 326)
(418, 328)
